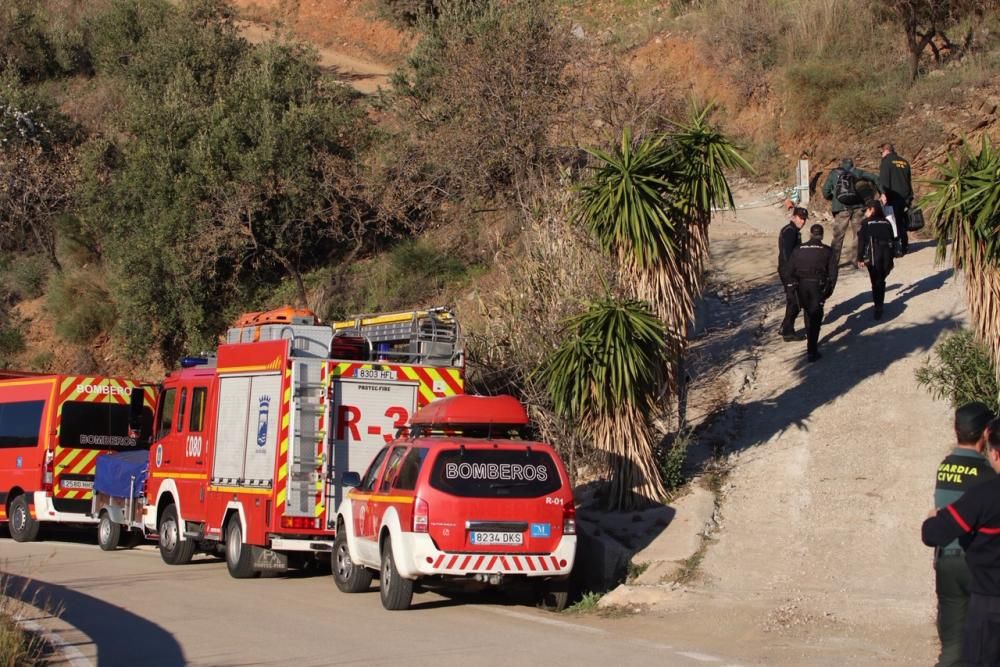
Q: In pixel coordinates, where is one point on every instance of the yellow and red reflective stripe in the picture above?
(370, 497)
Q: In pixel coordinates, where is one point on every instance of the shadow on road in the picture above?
(870, 352)
(121, 637)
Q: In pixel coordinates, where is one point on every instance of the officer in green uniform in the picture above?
(962, 469)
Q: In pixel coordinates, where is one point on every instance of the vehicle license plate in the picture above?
(372, 374)
(497, 538)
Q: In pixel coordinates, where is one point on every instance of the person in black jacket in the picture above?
(813, 268)
(875, 251)
(974, 520)
(897, 191)
(789, 239)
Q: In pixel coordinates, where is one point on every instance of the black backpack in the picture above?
(846, 189)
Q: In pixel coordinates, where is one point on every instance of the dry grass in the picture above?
(18, 647)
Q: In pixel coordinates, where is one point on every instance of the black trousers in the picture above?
(951, 582)
(880, 265)
(810, 293)
(791, 310)
(981, 635)
(878, 286)
(902, 221)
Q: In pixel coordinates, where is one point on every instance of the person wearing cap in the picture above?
(962, 469)
(897, 191)
(789, 239)
(846, 215)
(875, 251)
(973, 520)
(811, 268)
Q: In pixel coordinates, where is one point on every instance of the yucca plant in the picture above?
(606, 375)
(964, 206)
(648, 203)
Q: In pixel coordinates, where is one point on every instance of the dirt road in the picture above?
(818, 557)
(363, 75)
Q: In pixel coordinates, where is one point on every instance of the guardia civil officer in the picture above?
(875, 239)
(974, 520)
(896, 184)
(962, 469)
(813, 267)
(789, 239)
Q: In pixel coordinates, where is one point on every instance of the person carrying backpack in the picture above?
(841, 189)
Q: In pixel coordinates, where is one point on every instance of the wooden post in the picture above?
(802, 180)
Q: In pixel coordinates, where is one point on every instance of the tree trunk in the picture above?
(300, 286)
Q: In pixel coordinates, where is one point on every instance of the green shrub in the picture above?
(11, 342)
(26, 276)
(672, 460)
(82, 309)
(864, 108)
(406, 276)
(960, 370)
(407, 13)
(42, 361)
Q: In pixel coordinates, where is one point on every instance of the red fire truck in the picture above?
(52, 428)
(250, 447)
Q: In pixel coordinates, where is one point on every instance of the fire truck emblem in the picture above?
(262, 417)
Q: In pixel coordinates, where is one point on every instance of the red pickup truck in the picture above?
(463, 495)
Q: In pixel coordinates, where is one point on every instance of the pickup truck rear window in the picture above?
(495, 473)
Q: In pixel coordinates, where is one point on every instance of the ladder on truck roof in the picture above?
(307, 434)
(430, 337)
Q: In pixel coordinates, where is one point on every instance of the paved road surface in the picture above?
(128, 607)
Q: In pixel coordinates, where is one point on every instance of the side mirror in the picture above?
(350, 480)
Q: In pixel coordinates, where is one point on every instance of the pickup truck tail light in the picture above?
(421, 515)
(569, 519)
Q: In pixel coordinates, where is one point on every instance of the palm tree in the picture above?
(606, 375)
(649, 205)
(964, 206)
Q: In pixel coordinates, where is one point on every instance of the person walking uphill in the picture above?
(875, 251)
(846, 202)
(811, 268)
(962, 469)
(974, 520)
(897, 190)
(789, 239)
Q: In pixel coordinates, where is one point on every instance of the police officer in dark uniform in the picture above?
(813, 269)
(789, 239)
(962, 469)
(875, 251)
(974, 520)
(896, 184)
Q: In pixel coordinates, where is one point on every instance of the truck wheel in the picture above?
(108, 533)
(395, 591)
(173, 550)
(348, 575)
(22, 527)
(239, 556)
(554, 595)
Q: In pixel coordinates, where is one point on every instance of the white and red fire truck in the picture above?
(52, 428)
(250, 447)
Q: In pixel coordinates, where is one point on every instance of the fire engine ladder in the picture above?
(306, 449)
(429, 337)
